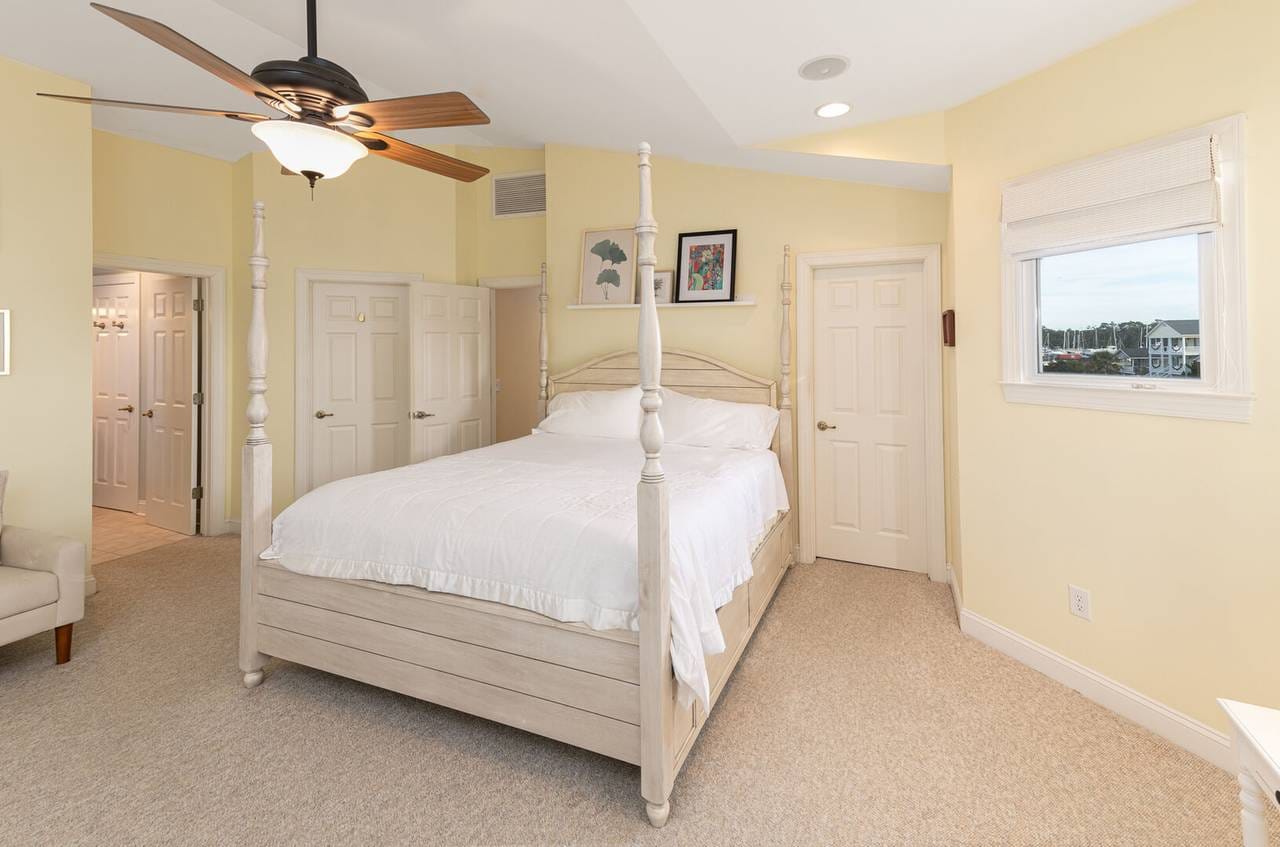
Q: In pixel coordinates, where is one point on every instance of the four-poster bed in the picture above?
(612, 691)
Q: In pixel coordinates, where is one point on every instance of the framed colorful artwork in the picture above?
(661, 286)
(608, 266)
(705, 267)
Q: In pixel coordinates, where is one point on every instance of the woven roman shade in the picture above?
(1140, 190)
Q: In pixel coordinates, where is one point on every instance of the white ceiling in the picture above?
(700, 79)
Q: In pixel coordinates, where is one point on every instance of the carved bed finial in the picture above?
(785, 425)
(542, 344)
(257, 409)
(649, 339)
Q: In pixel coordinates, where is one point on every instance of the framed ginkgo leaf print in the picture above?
(705, 267)
(608, 266)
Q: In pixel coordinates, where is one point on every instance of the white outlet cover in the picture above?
(1078, 602)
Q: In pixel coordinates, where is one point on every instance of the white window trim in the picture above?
(1223, 391)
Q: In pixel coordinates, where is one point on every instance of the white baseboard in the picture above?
(1184, 731)
(233, 527)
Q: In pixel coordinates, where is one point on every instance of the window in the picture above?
(1124, 285)
(1123, 311)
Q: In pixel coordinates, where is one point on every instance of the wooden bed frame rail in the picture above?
(613, 691)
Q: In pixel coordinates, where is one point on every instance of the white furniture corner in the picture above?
(1255, 742)
(610, 691)
(41, 586)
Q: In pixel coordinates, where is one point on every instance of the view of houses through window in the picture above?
(1129, 310)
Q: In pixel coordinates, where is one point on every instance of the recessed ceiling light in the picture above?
(832, 110)
(824, 67)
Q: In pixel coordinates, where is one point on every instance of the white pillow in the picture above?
(703, 422)
(604, 414)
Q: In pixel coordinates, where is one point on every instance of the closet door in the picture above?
(360, 379)
(115, 391)
(452, 369)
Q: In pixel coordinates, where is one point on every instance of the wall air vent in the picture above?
(517, 195)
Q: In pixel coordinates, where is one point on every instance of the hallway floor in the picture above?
(117, 533)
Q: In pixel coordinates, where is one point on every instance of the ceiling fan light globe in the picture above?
(303, 147)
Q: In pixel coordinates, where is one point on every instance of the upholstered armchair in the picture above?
(41, 586)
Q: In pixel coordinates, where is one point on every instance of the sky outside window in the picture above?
(1146, 281)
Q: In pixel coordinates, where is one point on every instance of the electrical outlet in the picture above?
(1078, 602)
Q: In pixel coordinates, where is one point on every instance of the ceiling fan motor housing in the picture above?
(315, 84)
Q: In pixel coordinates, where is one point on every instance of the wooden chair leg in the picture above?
(62, 642)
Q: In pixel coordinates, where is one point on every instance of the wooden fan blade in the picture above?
(192, 52)
(248, 117)
(450, 108)
(420, 157)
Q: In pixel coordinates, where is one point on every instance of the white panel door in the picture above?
(452, 370)
(115, 392)
(359, 379)
(168, 385)
(869, 408)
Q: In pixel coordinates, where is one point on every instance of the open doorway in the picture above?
(156, 345)
(147, 392)
(517, 313)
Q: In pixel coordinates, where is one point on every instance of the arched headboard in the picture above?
(688, 373)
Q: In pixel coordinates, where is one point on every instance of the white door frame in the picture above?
(213, 413)
(304, 280)
(928, 256)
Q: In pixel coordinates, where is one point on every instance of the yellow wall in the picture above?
(156, 202)
(595, 189)
(46, 237)
(919, 138)
(160, 203)
(491, 247)
(1165, 520)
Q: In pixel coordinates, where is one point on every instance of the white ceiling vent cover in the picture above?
(516, 195)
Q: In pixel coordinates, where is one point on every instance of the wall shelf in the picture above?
(745, 301)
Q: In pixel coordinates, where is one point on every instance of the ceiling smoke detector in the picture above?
(824, 67)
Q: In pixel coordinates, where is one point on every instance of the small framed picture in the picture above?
(705, 267)
(608, 266)
(661, 286)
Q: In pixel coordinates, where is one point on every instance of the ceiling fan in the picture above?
(328, 122)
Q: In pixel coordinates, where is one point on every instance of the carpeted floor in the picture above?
(859, 715)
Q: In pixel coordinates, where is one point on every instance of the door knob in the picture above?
(322, 414)
(149, 413)
(420, 415)
(128, 408)
(823, 426)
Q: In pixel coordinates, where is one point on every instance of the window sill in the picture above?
(1236, 408)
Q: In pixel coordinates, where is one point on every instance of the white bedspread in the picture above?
(548, 523)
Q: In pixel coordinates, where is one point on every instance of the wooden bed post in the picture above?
(786, 435)
(542, 344)
(255, 479)
(657, 756)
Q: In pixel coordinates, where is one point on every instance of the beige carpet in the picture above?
(859, 715)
